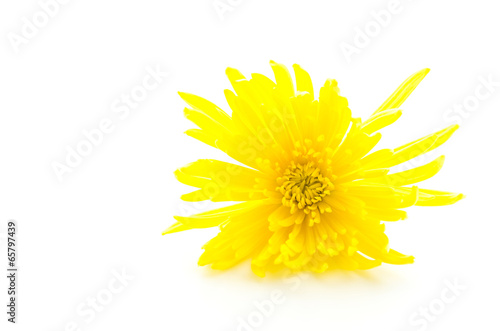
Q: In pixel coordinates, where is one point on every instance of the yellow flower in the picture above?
(312, 196)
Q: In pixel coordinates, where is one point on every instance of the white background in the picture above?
(108, 214)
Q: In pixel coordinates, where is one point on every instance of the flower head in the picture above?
(312, 195)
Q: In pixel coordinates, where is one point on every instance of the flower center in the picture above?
(303, 186)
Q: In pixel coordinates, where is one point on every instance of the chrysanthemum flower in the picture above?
(311, 195)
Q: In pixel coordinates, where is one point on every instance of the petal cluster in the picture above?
(312, 195)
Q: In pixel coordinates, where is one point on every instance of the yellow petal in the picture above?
(403, 91)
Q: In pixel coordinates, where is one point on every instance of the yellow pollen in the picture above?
(303, 186)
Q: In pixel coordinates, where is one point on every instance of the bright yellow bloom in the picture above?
(313, 197)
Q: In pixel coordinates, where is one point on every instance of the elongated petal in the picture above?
(411, 176)
(437, 198)
(207, 107)
(403, 91)
(212, 218)
(303, 80)
(283, 79)
(238, 239)
(220, 181)
(417, 147)
(381, 120)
